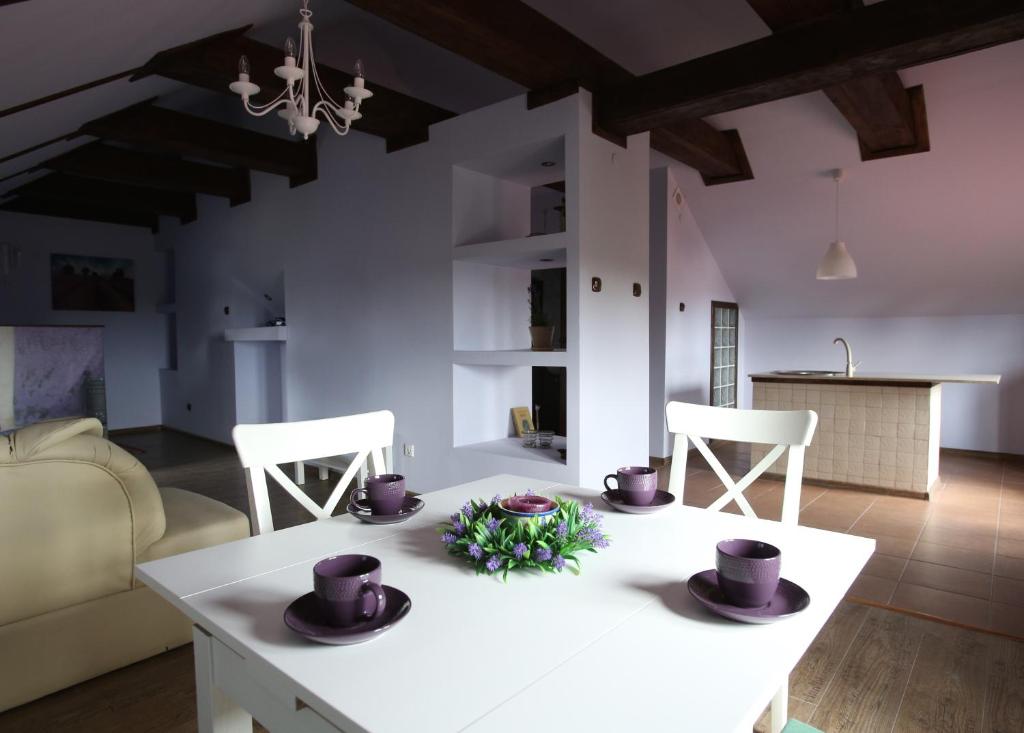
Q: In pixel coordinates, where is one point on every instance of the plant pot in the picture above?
(542, 337)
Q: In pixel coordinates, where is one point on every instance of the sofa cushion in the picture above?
(195, 521)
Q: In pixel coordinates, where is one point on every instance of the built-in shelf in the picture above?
(512, 357)
(529, 253)
(263, 333)
(513, 448)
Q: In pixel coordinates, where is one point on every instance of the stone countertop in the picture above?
(876, 378)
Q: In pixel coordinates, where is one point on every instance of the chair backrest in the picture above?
(262, 448)
(792, 429)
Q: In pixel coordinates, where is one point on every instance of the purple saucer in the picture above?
(410, 506)
(789, 600)
(662, 499)
(304, 616)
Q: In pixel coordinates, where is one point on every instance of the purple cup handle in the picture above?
(356, 499)
(611, 475)
(380, 601)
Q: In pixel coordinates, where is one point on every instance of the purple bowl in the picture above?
(528, 504)
(748, 571)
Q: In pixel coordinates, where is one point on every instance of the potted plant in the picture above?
(542, 333)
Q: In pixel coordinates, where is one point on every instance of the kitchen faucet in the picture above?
(850, 366)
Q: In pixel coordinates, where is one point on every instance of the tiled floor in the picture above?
(958, 557)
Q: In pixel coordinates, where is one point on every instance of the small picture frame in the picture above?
(522, 419)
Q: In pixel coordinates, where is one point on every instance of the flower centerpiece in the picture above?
(490, 539)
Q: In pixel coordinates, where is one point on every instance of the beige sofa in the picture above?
(76, 514)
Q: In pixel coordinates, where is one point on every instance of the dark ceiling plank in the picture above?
(165, 130)
(876, 106)
(39, 146)
(75, 189)
(886, 36)
(517, 42)
(108, 163)
(87, 212)
(212, 63)
(65, 93)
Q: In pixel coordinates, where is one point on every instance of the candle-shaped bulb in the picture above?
(289, 47)
(359, 68)
(243, 65)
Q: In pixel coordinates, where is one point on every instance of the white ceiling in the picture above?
(935, 233)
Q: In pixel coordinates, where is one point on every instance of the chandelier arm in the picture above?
(331, 119)
(263, 110)
(324, 94)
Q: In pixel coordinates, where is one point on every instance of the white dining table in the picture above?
(622, 646)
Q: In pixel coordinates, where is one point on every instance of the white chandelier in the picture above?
(299, 110)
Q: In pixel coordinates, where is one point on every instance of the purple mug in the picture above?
(349, 590)
(384, 493)
(748, 571)
(636, 484)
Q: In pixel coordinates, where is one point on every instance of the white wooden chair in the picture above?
(792, 429)
(263, 448)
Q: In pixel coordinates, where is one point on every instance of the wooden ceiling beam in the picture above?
(108, 163)
(212, 63)
(519, 43)
(167, 131)
(832, 50)
(85, 212)
(888, 119)
(74, 189)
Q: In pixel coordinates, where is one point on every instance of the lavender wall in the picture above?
(976, 417)
(135, 344)
(683, 270)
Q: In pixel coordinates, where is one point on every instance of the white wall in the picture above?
(365, 254)
(976, 417)
(683, 270)
(134, 344)
(614, 367)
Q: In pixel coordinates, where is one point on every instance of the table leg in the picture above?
(215, 711)
(780, 708)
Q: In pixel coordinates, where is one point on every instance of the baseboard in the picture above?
(983, 454)
(197, 437)
(134, 431)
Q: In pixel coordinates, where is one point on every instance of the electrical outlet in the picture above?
(409, 450)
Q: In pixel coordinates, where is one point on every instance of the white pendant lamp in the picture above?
(837, 263)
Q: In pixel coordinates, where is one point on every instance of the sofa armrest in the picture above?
(66, 536)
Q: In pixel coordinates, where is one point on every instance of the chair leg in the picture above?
(323, 474)
(779, 708)
(300, 473)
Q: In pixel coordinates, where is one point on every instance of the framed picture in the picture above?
(522, 419)
(83, 283)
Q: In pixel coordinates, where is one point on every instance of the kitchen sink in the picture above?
(806, 373)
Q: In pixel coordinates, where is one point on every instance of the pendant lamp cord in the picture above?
(837, 208)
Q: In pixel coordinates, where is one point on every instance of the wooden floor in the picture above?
(958, 557)
(871, 670)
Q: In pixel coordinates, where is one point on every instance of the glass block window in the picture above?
(724, 353)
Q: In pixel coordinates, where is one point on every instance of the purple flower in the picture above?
(493, 563)
(458, 526)
(601, 543)
(559, 562)
(542, 554)
(448, 538)
(475, 551)
(496, 499)
(492, 523)
(589, 534)
(467, 509)
(456, 517)
(530, 492)
(519, 550)
(563, 529)
(589, 515)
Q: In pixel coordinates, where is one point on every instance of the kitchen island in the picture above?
(875, 431)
